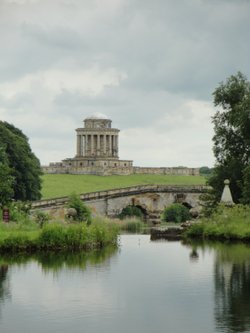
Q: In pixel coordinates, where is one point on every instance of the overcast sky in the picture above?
(149, 65)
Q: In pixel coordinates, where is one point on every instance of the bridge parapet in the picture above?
(122, 192)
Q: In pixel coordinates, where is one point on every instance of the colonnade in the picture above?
(92, 145)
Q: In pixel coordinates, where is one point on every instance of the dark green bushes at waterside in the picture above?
(176, 213)
(226, 223)
(57, 236)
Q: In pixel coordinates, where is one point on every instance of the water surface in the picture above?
(142, 286)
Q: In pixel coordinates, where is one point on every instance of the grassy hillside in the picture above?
(63, 185)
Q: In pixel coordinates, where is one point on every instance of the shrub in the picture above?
(52, 236)
(83, 213)
(176, 213)
(131, 211)
(41, 218)
(19, 211)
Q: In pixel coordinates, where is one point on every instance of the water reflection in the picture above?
(231, 283)
(232, 288)
(144, 287)
(194, 255)
(4, 282)
(56, 261)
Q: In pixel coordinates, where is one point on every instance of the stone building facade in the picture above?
(97, 148)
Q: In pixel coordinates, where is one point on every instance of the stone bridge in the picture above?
(151, 199)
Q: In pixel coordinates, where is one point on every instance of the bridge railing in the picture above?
(60, 201)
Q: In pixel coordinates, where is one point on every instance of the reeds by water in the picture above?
(226, 223)
(57, 236)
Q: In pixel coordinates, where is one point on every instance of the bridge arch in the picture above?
(187, 204)
(138, 209)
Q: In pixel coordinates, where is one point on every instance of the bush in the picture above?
(59, 236)
(41, 218)
(176, 213)
(130, 211)
(19, 211)
(83, 213)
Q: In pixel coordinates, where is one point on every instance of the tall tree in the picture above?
(24, 165)
(6, 179)
(232, 134)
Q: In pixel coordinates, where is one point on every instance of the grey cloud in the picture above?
(59, 36)
(160, 44)
(24, 100)
(171, 52)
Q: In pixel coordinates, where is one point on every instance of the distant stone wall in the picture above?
(167, 171)
(95, 170)
(117, 170)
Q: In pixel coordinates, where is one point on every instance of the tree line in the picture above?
(20, 169)
(231, 140)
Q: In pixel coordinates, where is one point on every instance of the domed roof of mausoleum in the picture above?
(97, 115)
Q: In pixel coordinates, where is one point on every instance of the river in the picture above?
(141, 286)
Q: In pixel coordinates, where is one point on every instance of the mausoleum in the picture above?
(97, 147)
(97, 153)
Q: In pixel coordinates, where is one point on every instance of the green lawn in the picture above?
(58, 185)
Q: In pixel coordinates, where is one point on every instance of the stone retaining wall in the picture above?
(118, 170)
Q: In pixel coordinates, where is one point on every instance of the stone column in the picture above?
(83, 145)
(116, 145)
(98, 144)
(113, 145)
(78, 145)
(92, 144)
(86, 144)
(104, 144)
(110, 145)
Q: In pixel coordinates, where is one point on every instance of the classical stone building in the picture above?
(96, 151)
(97, 147)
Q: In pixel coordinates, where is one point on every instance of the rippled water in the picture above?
(142, 286)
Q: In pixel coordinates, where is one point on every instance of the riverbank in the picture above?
(56, 236)
(226, 223)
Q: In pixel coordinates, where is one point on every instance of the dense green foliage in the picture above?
(246, 186)
(131, 211)
(206, 171)
(224, 223)
(56, 236)
(232, 137)
(56, 185)
(83, 213)
(176, 213)
(6, 178)
(19, 211)
(21, 166)
(41, 218)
